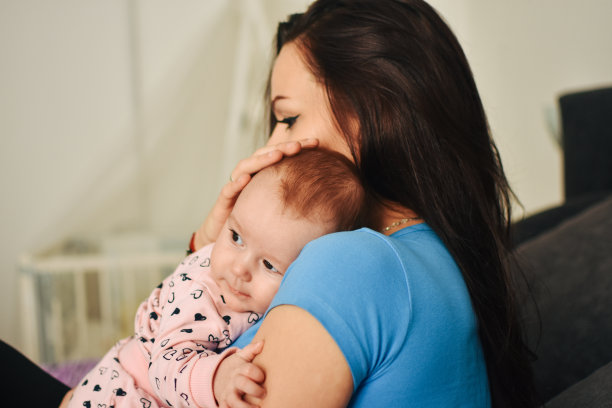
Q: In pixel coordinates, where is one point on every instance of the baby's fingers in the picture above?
(235, 401)
(249, 352)
(252, 372)
(247, 386)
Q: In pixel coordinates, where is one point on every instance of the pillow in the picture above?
(570, 271)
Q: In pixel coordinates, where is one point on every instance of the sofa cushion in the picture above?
(593, 391)
(570, 270)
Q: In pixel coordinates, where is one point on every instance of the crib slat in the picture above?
(60, 324)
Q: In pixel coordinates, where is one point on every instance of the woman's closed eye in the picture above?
(290, 121)
(236, 237)
(269, 266)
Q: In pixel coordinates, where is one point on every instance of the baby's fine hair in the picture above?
(322, 185)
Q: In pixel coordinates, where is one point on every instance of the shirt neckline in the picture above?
(411, 228)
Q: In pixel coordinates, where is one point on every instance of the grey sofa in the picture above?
(569, 267)
(566, 255)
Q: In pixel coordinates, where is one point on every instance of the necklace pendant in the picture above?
(400, 222)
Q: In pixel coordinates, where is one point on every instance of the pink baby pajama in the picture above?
(172, 357)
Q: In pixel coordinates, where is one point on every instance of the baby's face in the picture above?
(258, 242)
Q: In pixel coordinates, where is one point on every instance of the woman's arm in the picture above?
(304, 366)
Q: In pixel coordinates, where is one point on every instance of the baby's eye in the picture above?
(289, 121)
(269, 266)
(236, 237)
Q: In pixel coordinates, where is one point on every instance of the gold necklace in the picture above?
(400, 222)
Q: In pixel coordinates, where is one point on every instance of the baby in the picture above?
(218, 292)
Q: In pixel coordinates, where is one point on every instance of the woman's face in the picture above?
(300, 104)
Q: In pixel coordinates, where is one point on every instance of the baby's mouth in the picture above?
(235, 291)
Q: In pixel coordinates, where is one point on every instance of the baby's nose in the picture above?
(240, 269)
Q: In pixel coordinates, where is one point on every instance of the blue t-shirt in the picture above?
(399, 310)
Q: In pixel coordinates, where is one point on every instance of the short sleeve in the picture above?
(353, 283)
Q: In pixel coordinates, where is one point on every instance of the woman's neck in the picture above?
(393, 217)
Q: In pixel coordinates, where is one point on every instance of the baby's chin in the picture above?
(244, 308)
(238, 305)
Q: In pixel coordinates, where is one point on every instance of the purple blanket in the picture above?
(70, 373)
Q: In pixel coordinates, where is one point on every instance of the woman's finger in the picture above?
(211, 227)
(256, 162)
(290, 148)
(239, 178)
(231, 190)
(268, 155)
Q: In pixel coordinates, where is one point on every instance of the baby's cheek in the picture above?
(273, 289)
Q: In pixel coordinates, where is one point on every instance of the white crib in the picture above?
(76, 307)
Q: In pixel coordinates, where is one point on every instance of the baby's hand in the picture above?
(237, 376)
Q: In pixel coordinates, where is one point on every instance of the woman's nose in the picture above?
(276, 136)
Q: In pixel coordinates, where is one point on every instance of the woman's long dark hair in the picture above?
(424, 142)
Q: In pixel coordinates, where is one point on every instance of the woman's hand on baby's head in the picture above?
(211, 227)
(270, 154)
(290, 147)
(239, 178)
(237, 376)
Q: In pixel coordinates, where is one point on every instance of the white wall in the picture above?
(524, 55)
(64, 107)
(118, 115)
(114, 117)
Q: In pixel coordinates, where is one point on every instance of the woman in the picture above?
(419, 310)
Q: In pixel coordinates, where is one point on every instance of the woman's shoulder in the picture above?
(366, 245)
(344, 250)
(409, 259)
(354, 259)
(351, 241)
